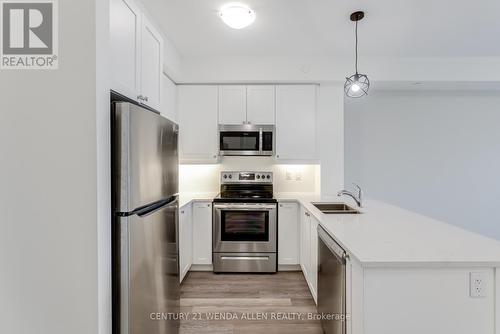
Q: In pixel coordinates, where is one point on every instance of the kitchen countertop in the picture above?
(187, 197)
(386, 235)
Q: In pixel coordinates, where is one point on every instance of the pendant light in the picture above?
(357, 85)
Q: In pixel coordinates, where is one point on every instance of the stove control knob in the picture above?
(268, 176)
(225, 176)
(230, 176)
(258, 176)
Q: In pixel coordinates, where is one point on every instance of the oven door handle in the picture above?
(248, 258)
(239, 207)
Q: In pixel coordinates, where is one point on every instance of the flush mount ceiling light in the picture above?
(357, 85)
(237, 15)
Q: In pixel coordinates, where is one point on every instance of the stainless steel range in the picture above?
(245, 223)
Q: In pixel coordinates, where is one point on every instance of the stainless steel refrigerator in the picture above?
(145, 221)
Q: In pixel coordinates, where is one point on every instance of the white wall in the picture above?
(205, 178)
(330, 128)
(103, 146)
(434, 153)
(48, 178)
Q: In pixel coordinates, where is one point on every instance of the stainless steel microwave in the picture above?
(246, 139)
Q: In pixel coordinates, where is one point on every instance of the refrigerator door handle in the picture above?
(148, 209)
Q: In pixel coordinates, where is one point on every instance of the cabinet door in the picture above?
(288, 234)
(305, 243)
(232, 104)
(185, 240)
(125, 33)
(261, 104)
(197, 116)
(313, 265)
(151, 65)
(202, 233)
(296, 122)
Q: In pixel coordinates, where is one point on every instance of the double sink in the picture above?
(336, 208)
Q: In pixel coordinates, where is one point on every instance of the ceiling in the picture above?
(321, 28)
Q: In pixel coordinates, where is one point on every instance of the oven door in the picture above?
(250, 228)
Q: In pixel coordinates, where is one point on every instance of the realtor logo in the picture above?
(29, 34)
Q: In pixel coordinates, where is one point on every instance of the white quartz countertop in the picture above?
(386, 235)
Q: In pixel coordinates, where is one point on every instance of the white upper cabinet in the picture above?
(197, 118)
(232, 104)
(168, 98)
(288, 234)
(151, 65)
(296, 122)
(261, 104)
(136, 54)
(125, 37)
(240, 104)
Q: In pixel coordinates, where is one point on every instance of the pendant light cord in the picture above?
(356, 32)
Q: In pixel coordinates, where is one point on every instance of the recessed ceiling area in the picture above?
(410, 28)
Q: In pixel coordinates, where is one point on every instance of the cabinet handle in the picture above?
(281, 205)
(244, 122)
(215, 156)
(277, 156)
(140, 97)
(208, 205)
(182, 212)
(146, 98)
(248, 122)
(307, 214)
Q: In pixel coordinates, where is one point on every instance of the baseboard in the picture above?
(209, 267)
(289, 267)
(201, 267)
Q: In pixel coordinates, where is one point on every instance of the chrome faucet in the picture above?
(358, 199)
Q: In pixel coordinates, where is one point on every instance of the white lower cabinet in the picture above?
(313, 264)
(309, 250)
(202, 233)
(305, 242)
(288, 234)
(185, 240)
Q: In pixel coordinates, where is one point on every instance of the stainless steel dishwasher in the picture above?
(331, 283)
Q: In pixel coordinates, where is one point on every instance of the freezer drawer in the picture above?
(244, 262)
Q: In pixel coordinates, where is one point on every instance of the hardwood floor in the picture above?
(279, 303)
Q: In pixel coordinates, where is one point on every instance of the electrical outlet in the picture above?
(477, 285)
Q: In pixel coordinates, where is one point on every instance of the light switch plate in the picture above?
(478, 285)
